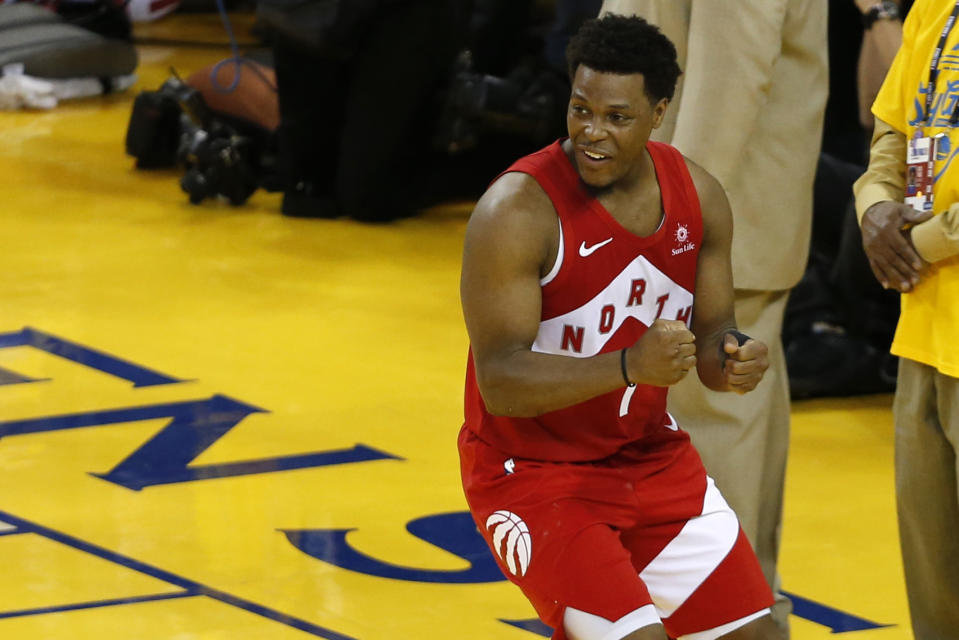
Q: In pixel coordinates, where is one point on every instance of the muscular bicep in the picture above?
(507, 241)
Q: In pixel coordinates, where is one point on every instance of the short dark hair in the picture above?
(626, 44)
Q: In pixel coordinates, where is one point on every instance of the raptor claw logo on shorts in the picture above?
(511, 541)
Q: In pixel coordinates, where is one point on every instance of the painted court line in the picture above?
(189, 586)
(97, 604)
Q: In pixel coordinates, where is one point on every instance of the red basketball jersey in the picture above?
(606, 289)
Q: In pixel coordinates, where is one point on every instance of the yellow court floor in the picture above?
(221, 422)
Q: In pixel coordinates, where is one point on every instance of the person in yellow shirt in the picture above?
(912, 243)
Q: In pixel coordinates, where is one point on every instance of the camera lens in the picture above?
(195, 184)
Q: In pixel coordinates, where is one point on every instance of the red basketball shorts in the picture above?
(645, 526)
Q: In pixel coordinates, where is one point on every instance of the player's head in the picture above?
(623, 73)
(626, 45)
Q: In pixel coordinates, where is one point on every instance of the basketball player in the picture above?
(585, 266)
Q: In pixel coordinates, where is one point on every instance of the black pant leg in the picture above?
(311, 99)
(391, 107)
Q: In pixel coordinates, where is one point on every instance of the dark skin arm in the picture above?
(511, 236)
(879, 46)
(722, 364)
(886, 224)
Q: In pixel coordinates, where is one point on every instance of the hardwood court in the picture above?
(220, 422)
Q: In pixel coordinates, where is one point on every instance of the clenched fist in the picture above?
(745, 364)
(663, 355)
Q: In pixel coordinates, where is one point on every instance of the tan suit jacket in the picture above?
(749, 109)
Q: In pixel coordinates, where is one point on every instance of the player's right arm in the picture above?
(511, 241)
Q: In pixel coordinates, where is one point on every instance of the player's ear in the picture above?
(659, 112)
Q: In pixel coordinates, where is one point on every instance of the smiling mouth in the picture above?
(594, 155)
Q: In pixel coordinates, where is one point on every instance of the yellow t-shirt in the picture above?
(928, 329)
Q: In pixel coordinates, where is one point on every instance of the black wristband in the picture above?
(622, 366)
(741, 338)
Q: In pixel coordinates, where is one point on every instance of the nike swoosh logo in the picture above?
(585, 251)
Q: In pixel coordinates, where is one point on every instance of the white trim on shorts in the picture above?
(721, 630)
(580, 625)
(691, 557)
(673, 575)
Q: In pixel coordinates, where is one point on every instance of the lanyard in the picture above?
(934, 69)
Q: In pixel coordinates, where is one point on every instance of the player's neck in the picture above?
(635, 201)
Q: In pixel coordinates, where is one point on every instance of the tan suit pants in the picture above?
(927, 438)
(743, 439)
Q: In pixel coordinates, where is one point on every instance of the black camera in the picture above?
(217, 165)
(530, 102)
(174, 126)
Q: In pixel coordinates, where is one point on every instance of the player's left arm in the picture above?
(726, 360)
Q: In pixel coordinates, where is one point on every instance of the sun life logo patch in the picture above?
(511, 541)
(682, 239)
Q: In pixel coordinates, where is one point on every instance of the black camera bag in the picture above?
(153, 133)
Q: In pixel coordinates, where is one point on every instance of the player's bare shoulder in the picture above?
(515, 214)
(707, 186)
(514, 198)
(717, 217)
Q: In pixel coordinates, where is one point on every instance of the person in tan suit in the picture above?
(749, 109)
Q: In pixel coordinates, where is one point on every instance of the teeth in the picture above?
(594, 156)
